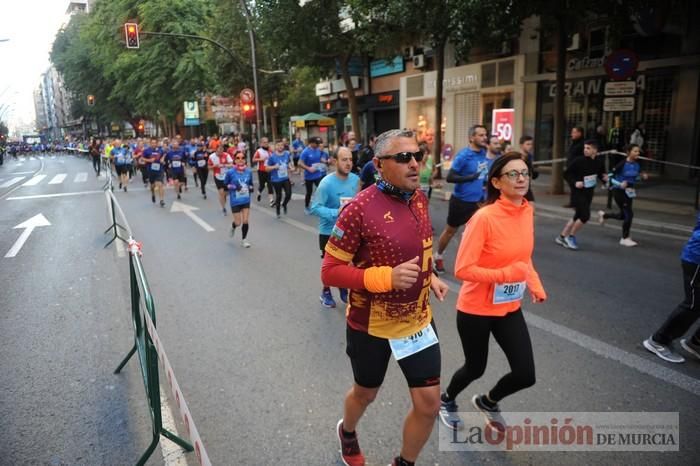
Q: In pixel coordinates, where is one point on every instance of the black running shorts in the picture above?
(238, 208)
(459, 212)
(369, 356)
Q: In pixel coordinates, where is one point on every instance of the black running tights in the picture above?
(280, 186)
(309, 190)
(511, 335)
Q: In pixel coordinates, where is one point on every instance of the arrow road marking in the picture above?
(37, 221)
(187, 210)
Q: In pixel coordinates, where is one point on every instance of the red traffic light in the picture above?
(91, 100)
(132, 35)
(246, 108)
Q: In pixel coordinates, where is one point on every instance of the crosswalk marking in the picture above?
(32, 158)
(80, 177)
(35, 181)
(58, 178)
(12, 181)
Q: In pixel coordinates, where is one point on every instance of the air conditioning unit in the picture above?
(419, 61)
(575, 43)
(408, 52)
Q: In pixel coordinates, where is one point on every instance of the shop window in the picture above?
(466, 115)
(488, 75)
(656, 115)
(414, 86)
(506, 72)
(597, 42)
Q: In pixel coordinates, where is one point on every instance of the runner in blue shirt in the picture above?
(176, 160)
(622, 181)
(297, 148)
(119, 156)
(278, 166)
(199, 160)
(153, 156)
(334, 191)
(469, 171)
(239, 181)
(314, 164)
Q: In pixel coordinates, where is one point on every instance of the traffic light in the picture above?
(91, 100)
(132, 35)
(248, 110)
(140, 127)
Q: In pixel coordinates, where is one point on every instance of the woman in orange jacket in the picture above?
(494, 262)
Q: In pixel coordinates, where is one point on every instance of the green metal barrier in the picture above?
(146, 352)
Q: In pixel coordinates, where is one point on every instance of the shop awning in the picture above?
(312, 119)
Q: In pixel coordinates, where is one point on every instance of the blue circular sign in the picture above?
(621, 64)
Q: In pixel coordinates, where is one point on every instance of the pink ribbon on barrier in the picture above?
(135, 247)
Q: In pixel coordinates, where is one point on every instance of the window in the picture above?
(506, 72)
(488, 75)
(414, 86)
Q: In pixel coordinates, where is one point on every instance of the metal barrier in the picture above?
(148, 347)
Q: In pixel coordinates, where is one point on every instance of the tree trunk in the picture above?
(437, 123)
(557, 183)
(352, 99)
(273, 122)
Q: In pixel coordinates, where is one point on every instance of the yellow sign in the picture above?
(299, 123)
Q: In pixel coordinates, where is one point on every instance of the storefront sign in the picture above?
(584, 63)
(503, 120)
(191, 113)
(383, 67)
(578, 88)
(615, 88)
(618, 104)
(323, 88)
(385, 98)
(339, 85)
(457, 82)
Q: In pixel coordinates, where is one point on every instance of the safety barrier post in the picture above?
(115, 226)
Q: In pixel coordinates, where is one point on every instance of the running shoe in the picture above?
(689, 346)
(153, 198)
(327, 299)
(492, 416)
(162, 203)
(272, 202)
(245, 243)
(601, 217)
(628, 242)
(258, 198)
(560, 240)
(223, 209)
(278, 216)
(178, 196)
(662, 351)
(120, 185)
(284, 209)
(125, 189)
(350, 453)
(449, 415)
(204, 196)
(571, 242)
(343, 295)
(439, 266)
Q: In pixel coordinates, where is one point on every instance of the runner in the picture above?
(527, 146)
(385, 231)
(297, 148)
(314, 165)
(332, 194)
(260, 156)
(278, 166)
(219, 162)
(153, 156)
(426, 170)
(94, 151)
(686, 313)
(468, 171)
(622, 181)
(239, 181)
(583, 174)
(119, 155)
(199, 160)
(495, 271)
(176, 159)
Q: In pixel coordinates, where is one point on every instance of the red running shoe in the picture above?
(439, 266)
(350, 453)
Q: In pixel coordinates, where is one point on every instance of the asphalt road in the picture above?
(262, 365)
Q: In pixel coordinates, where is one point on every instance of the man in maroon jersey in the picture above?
(381, 249)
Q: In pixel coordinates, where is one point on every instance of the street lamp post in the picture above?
(255, 68)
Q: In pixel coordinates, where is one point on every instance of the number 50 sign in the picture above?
(503, 121)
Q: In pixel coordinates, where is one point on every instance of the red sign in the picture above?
(385, 98)
(503, 122)
(247, 96)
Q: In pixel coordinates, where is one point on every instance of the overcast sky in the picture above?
(31, 26)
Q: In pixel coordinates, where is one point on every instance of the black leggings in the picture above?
(96, 164)
(309, 190)
(279, 186)
(263, 179)
(687, 312)
(203, 174)
(511, 335)
(626, 214)
(582, 203)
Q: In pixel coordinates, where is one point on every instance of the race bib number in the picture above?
(508, 292)
(155, 166)
(590, 181)
(244, 190)
(631, 192)
(282, 170)
(483, 170)
(221, 175)
(119, 159)
(412, 344)
(201, 163)
(319, 167)
(177, 164)
(344, 200)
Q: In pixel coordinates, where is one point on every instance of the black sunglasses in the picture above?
(404, 157)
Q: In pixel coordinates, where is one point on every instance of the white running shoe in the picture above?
(627, 242)
(601, 217)
(245, 243)
(662, 351)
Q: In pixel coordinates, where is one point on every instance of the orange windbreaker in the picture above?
(496, 248)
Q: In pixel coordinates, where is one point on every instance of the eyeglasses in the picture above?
(404, 157)
(515, 174)
(239, 158)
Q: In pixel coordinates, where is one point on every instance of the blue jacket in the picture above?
(691, 251)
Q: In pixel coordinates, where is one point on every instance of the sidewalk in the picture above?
(662, 207)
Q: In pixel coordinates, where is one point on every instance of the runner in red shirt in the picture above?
(219, 163)
(261, 155)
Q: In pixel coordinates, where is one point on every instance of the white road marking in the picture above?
(21, 173)
(12, 181)
(173, 455)
(35, 181)
(46, 196)
(53, 157)
(187, 210)
(32, 158)
(80, 177)
(58, 179)
(37, 221)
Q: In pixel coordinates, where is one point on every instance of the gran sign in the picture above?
(588, 87)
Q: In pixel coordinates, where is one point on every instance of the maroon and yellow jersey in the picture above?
(377, 229)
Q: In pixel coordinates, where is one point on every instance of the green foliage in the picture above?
(299, 96)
